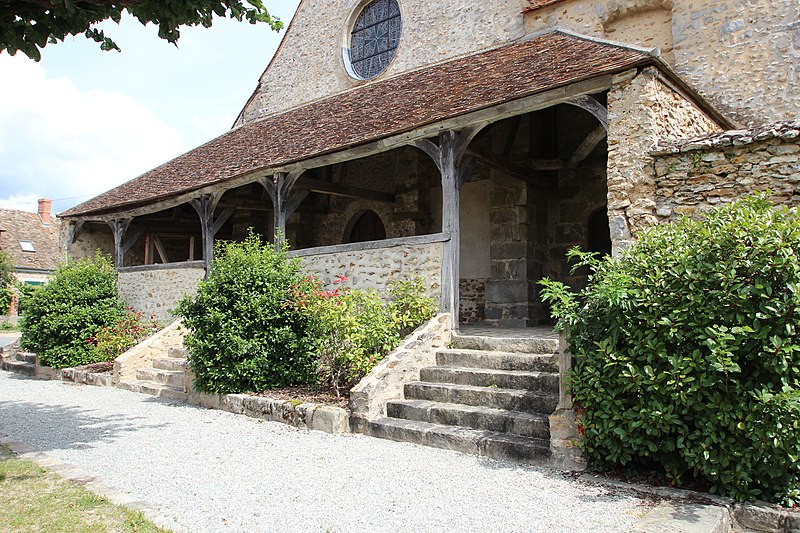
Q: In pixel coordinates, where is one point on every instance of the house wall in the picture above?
(374, 268)
(694, 176)
(91, 238)
(309, 64)
(156, 291)
(642, 111)
(713, 44)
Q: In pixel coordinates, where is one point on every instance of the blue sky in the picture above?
(82, 120)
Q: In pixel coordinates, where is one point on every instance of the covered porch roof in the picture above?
(386, 114)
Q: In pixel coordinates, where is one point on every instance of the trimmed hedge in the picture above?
(687, 351)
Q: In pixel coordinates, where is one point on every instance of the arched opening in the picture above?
(365, 226)
(599, 234)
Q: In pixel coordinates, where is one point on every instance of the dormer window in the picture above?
(27, 246)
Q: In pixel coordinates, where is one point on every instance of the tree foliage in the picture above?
(7, 281)
(29, 25)
(687, 351)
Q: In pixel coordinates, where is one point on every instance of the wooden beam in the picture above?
(587, 146)
(496, 162)
(587, 103)
(338, 189)
(118, 228)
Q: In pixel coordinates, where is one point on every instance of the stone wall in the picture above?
(309, 64)
(373, 265)
(472, 304)
(714, 44)
(93, 236)
(156, 290)
(642, 111)
(696, 175)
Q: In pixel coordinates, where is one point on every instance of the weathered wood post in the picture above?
(285, 201)
(209, 226)
(454, 168)
(118, 228)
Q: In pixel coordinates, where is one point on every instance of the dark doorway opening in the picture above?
(366, 227)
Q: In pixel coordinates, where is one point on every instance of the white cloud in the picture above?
(21, 202)
(60, 143)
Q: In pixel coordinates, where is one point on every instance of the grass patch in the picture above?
(35, 499)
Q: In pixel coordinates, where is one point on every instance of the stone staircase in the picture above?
(20, 362)
(166, 377)
(489, 395)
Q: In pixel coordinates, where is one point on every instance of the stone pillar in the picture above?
(507, 289)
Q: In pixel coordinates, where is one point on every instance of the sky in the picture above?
(82, 120)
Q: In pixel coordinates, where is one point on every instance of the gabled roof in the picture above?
(19, 226)
(376, 111)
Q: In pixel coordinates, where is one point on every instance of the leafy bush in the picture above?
(355, 328)
(242, 335)
(7, 281)
(113, 341)
(61, 316)
(687, 351)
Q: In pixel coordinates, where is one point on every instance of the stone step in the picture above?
(486, 377)
(19, 367)
(473, 441)
(534, 345)
(155, 389)
(26, 357)
(173, 378)
(497, 398)
(179, 353)
(475, 417)
(496, 360)
(171, 363)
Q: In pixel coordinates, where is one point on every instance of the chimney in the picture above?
(44, 210)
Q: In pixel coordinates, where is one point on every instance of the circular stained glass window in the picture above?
(374, 38)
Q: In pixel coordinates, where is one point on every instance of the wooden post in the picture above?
(454, 168)
(118, 228)
(210, 226)
(284, 201)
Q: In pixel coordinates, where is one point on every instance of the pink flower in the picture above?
(339, 279)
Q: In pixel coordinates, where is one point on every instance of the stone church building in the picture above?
(473, 143)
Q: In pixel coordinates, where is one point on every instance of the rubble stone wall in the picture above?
(696, 175)
(156, 291)
(642, 111)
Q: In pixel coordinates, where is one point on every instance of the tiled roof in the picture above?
(24, 226)
(375, 111)
(539, 4)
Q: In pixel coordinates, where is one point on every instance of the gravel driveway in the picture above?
(215, 471)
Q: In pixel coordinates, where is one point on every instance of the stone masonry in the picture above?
(697, 174)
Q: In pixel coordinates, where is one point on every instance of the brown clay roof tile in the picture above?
(372, 112)
(19, 226)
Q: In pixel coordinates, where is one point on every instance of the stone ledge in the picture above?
(84, 377)
(762, 516)
(786, 131)
(326, 418)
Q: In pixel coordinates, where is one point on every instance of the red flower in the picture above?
(339, 279)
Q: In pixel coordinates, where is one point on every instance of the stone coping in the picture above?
(786, 131)
(84, 377)
(372, 245)
(164, 266)
(327, 418)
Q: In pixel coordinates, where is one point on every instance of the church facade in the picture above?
(472, 143)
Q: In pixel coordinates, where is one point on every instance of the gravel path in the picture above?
(215, 471)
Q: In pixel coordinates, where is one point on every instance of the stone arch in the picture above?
(365, 225)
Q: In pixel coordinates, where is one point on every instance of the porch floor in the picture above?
(533, 332)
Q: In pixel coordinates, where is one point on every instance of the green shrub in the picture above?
(355, 329)
(62, 316)
(112, 341)
(687, 351)
(7, 281)
(243, 336)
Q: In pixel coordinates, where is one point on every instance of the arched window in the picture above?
(599, 234)
(365, 226)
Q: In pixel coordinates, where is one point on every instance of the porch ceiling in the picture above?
(370, 113)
